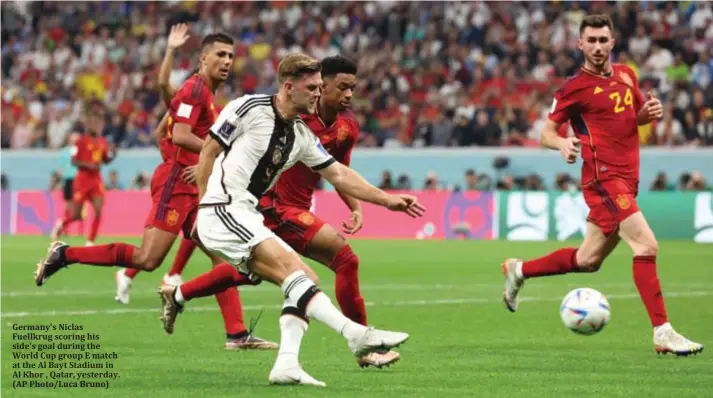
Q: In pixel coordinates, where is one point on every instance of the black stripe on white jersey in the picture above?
(232, 221)
(275, 156)
(222, 215)
(250, 104)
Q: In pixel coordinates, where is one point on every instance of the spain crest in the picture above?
(172, 217)
(342, 132)
(626, 79)
(623, 202)
(306, 218)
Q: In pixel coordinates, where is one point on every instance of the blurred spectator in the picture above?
(141, 182)
(669, 131)
(55, 181)
(4, 183)
(471, 180)
(386, 181)
(403, 182)
(661, 183)
(431, 182)
(114, 184)
(696, 182)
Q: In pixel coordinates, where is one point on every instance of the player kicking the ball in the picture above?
(255, 138)
(604, 106)
(286, 207)
(174, 193)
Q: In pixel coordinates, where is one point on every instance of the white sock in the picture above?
(179, 296)
(518, 269)
(322, 309)
(319, 307)
(292, 329)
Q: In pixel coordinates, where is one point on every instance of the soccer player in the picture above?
(177, 37)
(255, 138)
(174, 193)
(286, 207)
(604, 105)
(69, 170)
(88, 153)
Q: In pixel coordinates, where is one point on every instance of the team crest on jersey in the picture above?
(623, 202)
(277, 156)
(306, 218)
(172, 217)
(342, 132)
(626, 78)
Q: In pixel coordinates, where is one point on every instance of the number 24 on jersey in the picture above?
(628, 100)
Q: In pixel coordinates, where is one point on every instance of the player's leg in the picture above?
(67, 191)
(328, 247)
(185, 251)
(595, 248)
(98, 204)
(635, 231)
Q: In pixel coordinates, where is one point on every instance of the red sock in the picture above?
(647, 283)
(132, 272)
(558, 262)
(112, 254)
(185, 250)
(346, 284)
(66, 220)
(223, 276)
(232, 310)
(95, 227)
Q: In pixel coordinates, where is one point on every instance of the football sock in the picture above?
(95, 227)
(346, 283)
(107, 255)
(221, 277)
(185, 250)
(305, 300)
(292, 330)
(66, 220)
(647, 283)
(232, 310)
(132, 272)
(558, 262)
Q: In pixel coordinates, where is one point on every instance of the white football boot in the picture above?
(668, 340)
(513, 283)
(379, 359)
(376, 340)
(284, 374)
(123, 287)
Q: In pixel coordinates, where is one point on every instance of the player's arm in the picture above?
(356, 219)
(206, 159)
(562, 104)
(188, 107)
(177, 37)
(76, 159)
(352, 184)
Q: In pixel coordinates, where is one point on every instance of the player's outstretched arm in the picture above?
(177, 37)
(183, 137)
(207, 157)
(351, 183)
(568, 147)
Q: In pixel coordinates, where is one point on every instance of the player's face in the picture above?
(338, 90)
(305, 92)
(217, 60)
(95, 124)
(596, 44)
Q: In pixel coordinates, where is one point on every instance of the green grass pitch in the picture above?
(446, 294)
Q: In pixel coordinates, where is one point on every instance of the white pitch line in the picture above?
(406, 303)
(267, 287)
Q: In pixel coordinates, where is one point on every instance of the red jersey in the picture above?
(192, 105)
(93, 150)
(602, 111)
(297, 184)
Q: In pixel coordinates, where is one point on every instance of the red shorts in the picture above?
(293, 225)
(84, 189)
(610, 202)
(173, 210)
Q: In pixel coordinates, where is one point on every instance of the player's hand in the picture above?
(353, 225)
(406, 203)
(178, 36)
(570, 149)
(190, 174)
(654, 109)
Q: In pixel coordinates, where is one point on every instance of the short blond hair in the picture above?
(297, 65)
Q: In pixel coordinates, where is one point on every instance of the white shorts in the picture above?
(233, 231)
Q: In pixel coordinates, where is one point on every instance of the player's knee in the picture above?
(146, 261)
(647, 248)
(589, 262)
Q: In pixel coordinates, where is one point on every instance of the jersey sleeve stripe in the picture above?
(324, 165)
(579, 125)
(197, 88)
(250, 104)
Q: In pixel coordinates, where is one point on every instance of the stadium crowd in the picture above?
(431, 74)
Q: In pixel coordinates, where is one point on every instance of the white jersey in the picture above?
(258, 146)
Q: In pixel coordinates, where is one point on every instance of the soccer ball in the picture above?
(585, 311)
